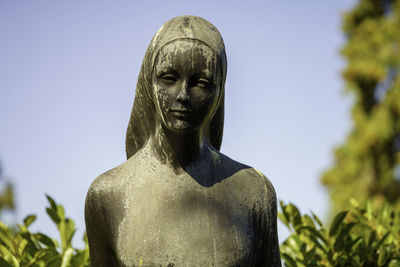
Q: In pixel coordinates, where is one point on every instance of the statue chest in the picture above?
(184, 224)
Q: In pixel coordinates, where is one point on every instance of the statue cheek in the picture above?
(206, 102)
(163, 101)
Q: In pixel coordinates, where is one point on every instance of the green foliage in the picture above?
(367, 165)
(358, 237)
(20, 247)
(7, 198)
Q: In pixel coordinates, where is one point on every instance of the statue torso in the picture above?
(169, 219)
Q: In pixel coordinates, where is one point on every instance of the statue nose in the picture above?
(183, 95)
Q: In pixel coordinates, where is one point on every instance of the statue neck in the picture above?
(177, 149)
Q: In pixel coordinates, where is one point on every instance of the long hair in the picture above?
(142, 121)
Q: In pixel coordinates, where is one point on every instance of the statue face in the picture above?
(186, 85)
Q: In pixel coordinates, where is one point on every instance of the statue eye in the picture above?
(169, 78)
(203, 83)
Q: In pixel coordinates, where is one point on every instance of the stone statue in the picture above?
(177, 200)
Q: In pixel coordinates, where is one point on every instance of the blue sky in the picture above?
(68, 71)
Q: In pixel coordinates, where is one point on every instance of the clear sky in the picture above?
(68, 72)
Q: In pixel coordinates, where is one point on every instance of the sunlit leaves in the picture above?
(20, 247)
(358, 237)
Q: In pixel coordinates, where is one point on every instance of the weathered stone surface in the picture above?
(177, 200)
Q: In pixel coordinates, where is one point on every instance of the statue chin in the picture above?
(177, 200)
(181, 126)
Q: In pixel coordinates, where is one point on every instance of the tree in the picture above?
(367, 165)
(6, 196)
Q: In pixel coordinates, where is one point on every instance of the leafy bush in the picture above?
(20, 247)
(358, 237)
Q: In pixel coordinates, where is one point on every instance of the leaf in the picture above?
(52, 258)
(289, 261)
(81, 258)
(380, 242)
(394, 263)
(285, 214)
(7, 238)
(22, 245)
(56, 212)
(316, 218)
(29, 220)
(294, 215)
(354, 202)
(314, 232)
(303, 249)
(362, 250)
(8, 256)
(383, 256)
(386, 213)
(45, 240)
(371, 239)
(306, 220)
(369, 210)
(339, 244)
(61, 212)
(4, 263)
(53, 204)
(53, 215)
(308, 256)
(22, 228)
(316, 242)
(294, 242)
(67, 230)
(38, 255)
(67, 257)
(336, 222)
(282, 217)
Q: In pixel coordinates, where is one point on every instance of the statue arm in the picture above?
(101, 253)
(271, 232)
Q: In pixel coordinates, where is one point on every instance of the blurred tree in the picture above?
(6, 198)
(367, 165)
(6, 195)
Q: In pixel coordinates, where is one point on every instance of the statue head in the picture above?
(181, 83)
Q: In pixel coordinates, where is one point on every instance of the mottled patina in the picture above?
(177, 200)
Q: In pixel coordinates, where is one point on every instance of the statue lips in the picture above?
(181, 113)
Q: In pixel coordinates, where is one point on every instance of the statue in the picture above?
(177, 200)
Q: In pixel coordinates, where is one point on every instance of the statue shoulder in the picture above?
(269, 188)
(100, 190)
(249, 179)
(262, 184)
(97, 191)
(104, 181)
(110, 185)
(268, 185)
